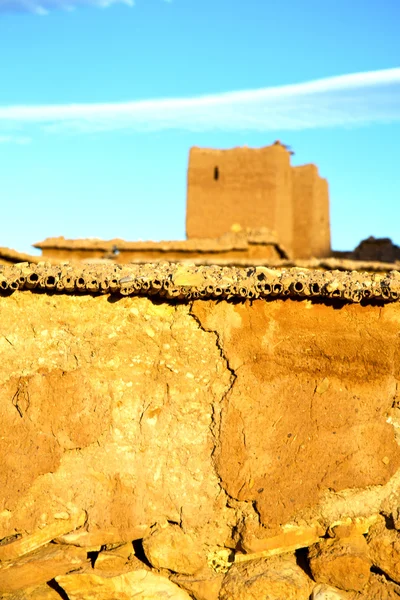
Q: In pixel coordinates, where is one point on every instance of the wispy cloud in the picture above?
(43, 7)
(15, 139)
(348, 100)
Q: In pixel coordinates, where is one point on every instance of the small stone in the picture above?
(322, 591)
(205, 586)
(254, 539)
(40, 537)
(107, 561)
(266, 578)
(41, 592)
(185, 276)
(323, 386)
(40, 566)
(115, 559)
(136, 585)
(102, 537)
(170, 548)
(342, 563)
(384, 549)
(350, 527)
(378, 588)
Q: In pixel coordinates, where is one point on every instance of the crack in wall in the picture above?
(241, 507)
(216, 418)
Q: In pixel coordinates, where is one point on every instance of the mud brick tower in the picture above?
(256, 188)
(311, 227)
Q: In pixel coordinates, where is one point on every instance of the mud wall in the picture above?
(243, 186)
(321, 224)
(262, 251)
(159, 449)
(311, 226)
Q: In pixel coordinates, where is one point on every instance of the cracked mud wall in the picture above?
(308, 412)
(106, 407)
(203, 425)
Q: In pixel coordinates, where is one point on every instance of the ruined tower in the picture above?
(243, 186)
(311, 227)
(254, 188)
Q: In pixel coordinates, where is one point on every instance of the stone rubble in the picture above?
(269, 579)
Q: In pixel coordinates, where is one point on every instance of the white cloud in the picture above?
(43, 7)
(344, 101)
(15, 139)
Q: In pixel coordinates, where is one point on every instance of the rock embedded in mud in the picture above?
(24, 544)
(116, 559)
(349, 527)
(343, 563)
(254, 538)
(322, 591)
(203, 586)
(136, 585)
(40, 566)
(379, 588)
(41, 592)
(170, 548)
(266, 578)
(384, 549)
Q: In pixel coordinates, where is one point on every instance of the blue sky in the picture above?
(89, 146)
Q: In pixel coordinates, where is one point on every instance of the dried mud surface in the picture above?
(308, 408)
(202, 431)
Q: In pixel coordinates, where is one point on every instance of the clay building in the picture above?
(242, 204)
(253, 188)
(232, 247)
(311, 227)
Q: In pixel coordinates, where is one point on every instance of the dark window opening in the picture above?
(216, 173)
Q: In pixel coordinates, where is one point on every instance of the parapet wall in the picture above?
(188, 433)
(232, 246)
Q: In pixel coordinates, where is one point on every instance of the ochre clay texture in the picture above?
(308, 408)
(107, 406)
(148, 444)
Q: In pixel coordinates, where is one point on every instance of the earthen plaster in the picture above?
(256, 416)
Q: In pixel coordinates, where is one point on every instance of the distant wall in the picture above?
(258, 188)
(311, 228)
(244, 186)
(321, 223)
(253, 251)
